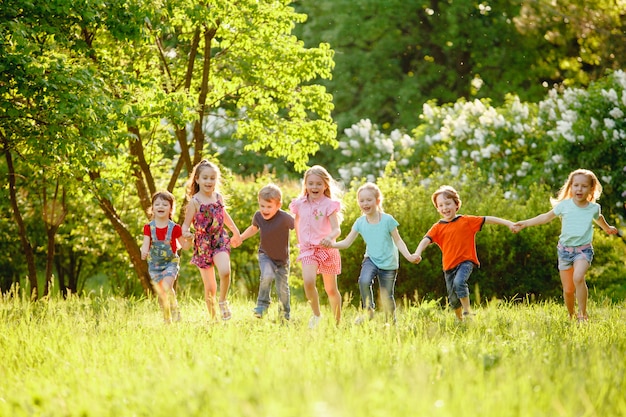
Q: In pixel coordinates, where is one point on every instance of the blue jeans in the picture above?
(272, 272)
(386, 284)
(456, 283)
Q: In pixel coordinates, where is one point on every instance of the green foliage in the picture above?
(394, 56)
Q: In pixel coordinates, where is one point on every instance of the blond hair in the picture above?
(374, 189)
(271, 192)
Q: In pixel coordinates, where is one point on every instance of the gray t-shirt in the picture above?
(274, 235)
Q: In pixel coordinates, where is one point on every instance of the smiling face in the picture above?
(581, 189)
(446, 207)
(268, 208)
(368, 203)
(161, 209)
(315, 186)
(207, 180)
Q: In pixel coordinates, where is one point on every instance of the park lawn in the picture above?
(100, 356)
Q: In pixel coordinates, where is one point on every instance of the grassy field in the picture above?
(112, 357)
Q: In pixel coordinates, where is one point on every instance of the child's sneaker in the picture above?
(258, 312)
(226, 315)
(314, 321)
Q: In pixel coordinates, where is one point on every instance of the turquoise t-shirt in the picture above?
(576, 222)
(380, 247)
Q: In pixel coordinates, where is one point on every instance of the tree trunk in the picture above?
(28, 249)
(132, 248)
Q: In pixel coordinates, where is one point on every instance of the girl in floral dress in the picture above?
(212, 244)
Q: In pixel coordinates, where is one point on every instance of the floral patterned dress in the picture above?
(210, 236)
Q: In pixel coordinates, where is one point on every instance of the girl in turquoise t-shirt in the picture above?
(380, 233)
(576, 206)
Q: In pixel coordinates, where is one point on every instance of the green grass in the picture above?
(102, 356)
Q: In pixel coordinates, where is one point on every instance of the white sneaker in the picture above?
(314, 321)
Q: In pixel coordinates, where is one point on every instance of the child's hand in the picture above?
(326, 242)
(188, 235)
(518, 226)
(144, 254)
(235, 241)
(613, 230)
(417, 258)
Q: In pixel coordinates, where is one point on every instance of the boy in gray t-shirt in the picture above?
(274, 225)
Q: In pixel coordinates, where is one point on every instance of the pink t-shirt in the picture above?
(313, 221)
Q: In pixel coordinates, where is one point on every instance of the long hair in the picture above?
(566, 190)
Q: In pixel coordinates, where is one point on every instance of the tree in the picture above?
(394, 56)
(149, 77)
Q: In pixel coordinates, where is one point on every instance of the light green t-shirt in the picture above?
(576, 222)
(380, 247)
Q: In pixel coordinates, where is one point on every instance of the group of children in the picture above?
(317, 215)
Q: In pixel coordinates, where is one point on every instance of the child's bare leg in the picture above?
(222, 262)
(569, 290)
(582, 293)
(210, 289)
(459, 313)
(309, 274)
(465, 305)
(168, 284)
(161, 291)
(334, 297)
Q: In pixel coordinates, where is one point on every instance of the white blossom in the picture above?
(616, 113)
(610, 95)
(609, 123)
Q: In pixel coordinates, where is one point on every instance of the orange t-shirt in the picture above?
(457, 239)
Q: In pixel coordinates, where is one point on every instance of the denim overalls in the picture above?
(162, 262)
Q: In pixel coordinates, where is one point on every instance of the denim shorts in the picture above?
(569, 254)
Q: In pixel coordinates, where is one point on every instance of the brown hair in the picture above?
(448, 192)
(164, 195)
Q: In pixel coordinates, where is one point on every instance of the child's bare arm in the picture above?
(190, 211)
(540, 219)
(500, 221)
(145, 247)
(249, 232)
(611, 230)
(342, 244)
(420, 248)
(395, 235)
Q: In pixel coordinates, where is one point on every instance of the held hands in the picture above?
(518, 226)
(416, 258)
(326, 242)
(235, 240)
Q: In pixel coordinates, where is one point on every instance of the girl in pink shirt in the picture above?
(317, 218)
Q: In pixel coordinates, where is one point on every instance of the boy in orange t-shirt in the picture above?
(456, 236)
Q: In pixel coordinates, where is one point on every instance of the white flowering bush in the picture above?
(587, 129)
(365, 151)
(463, 137)
(515, 145)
